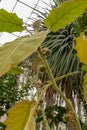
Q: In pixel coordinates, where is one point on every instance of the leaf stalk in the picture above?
(68, 102)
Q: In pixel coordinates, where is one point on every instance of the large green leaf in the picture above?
(65, 14)
(14, 52)
(9, 22)
(81, 48)
(21, 116)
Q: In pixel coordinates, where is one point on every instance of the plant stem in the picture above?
(56, 79)
(27, 30)
(45, 119)
(43, 91)
(66, 75)
(68, 102)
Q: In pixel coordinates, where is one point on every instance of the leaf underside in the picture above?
(65, 14)
(14, 52)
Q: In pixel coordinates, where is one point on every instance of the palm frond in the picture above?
(63, 58)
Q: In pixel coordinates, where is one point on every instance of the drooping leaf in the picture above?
(21, 116)
(81, 48)
(14, 52)
(10, 22)
(65, 14)
(85, 87)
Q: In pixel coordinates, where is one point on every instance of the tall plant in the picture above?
(16, 51)
(61, 43)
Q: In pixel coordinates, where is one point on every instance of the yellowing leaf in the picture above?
(85, 87)
(16, 51)
(65, 14)
(81, 48)
(21, 116)
(9, 22)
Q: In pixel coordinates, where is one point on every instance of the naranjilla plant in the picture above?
(16, 51)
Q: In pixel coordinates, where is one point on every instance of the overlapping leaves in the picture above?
(14, 52)
(81, 48)
(65, 14)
